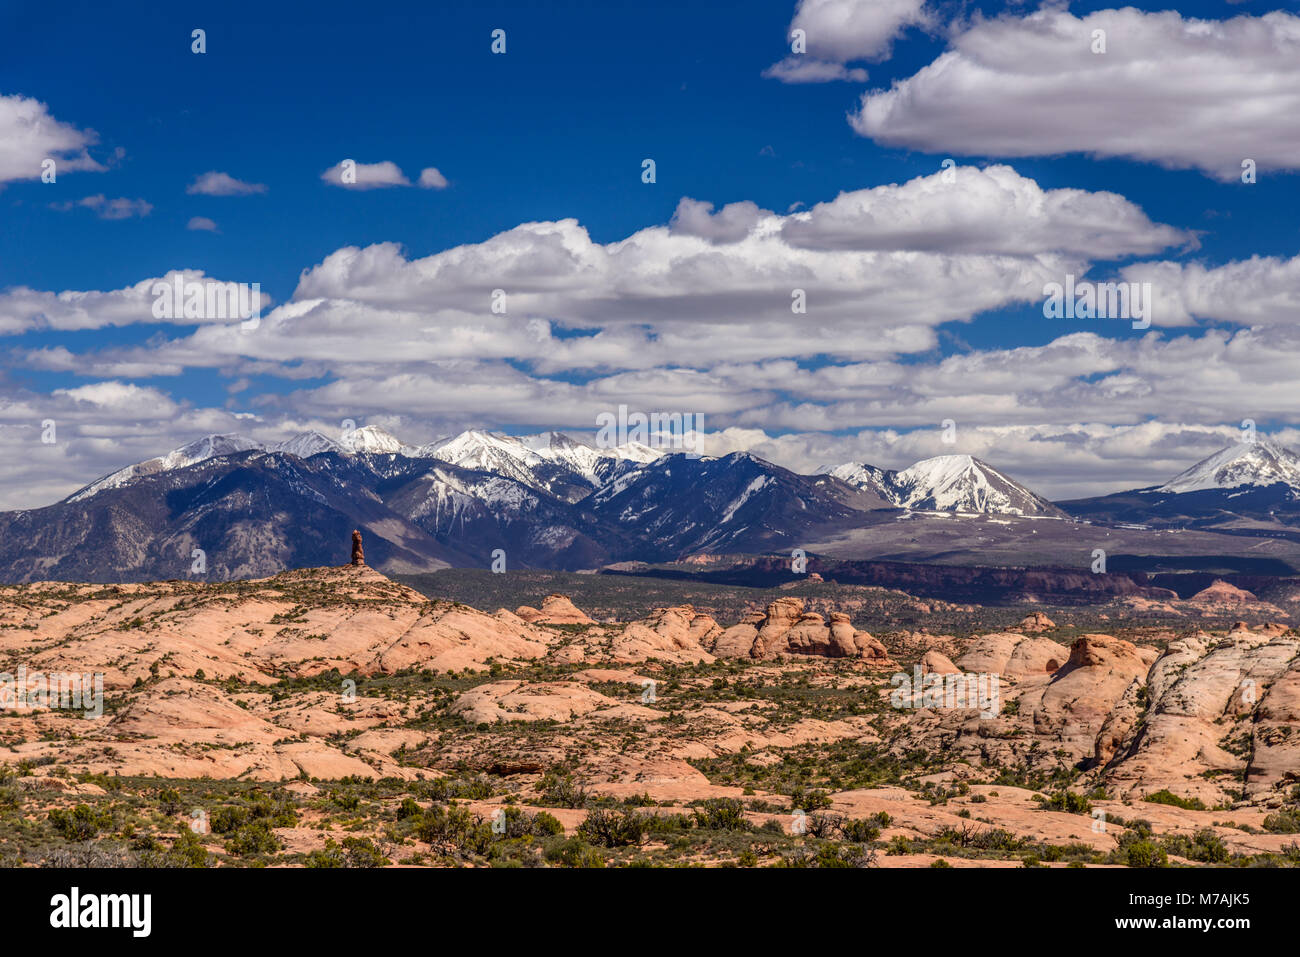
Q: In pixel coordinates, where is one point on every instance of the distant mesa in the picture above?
(1220, 592)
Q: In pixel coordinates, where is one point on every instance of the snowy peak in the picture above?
(527, 459)
(191, 454)
(948, 483)
(1258, 463)
(306, 444)
(962, 483)
(373, 439)
(863, 476)
(486, 452)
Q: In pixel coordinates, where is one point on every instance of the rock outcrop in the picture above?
(784, 628)
(1011, 654)
(934, 662)
(1036, 622)
(555, 610)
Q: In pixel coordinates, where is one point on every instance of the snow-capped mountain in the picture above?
(306, 444)
(1260, 463)
(367, 439)
(1254, 482)
(186, 455)
(373, 440)
(684, 504)
(550, 462)
(550, 501)
(948, 483)
(962, 483)
(861, 475)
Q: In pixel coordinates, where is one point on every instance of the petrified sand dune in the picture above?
(1204, 694)
(531, 701)
(555, 610)
(935, 663)
(784, 628)
(1011, 654)
(237, 681)
(1036, 622)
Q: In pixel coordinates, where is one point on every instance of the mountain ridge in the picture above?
(550, 501)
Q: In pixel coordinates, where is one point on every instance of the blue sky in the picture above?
(557, 129)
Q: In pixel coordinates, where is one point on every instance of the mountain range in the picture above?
(228, 506)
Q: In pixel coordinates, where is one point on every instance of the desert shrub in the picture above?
(605, 828)
(721, 814)
(260, 809)
(859, 831)
(362, 852)
(466, 789)
(454, 825)
(574, 852)
(844, 855)
(188, 851)
(898, 845)
(408, 808)
(81, 823)
(1286, 821)
(511, 823)
(545, 825)
(329, 856)
(1204, 846)
(808, 799)
(96, 854)
(981, 838)
(252, 839)
(169, 801)
(664, 824)
(562, 791)
(345, 800)
(823, 825)
(1069, 802)
(1165, 796)
(1145, 854)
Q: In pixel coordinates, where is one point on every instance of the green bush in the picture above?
(575, 852)
(1204, 846)
(562, 791)
(362, 852)
(253, 838)
(605, 828)
(1286, 821)
(81, 823)
(722, 814)
(808, 799)
(859, 831)
(1165, 796)
(1145, 854)
(457, 826)
(1069, 802)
